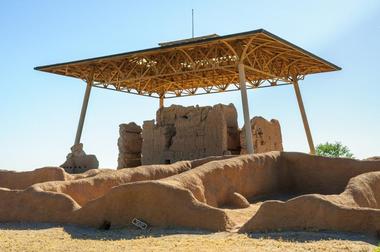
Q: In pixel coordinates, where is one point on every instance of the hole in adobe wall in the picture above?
(106, 225)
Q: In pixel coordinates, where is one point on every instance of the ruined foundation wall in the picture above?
(185, 196)
(129, 144)
(266, 136)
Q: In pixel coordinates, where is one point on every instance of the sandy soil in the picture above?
(46, 237)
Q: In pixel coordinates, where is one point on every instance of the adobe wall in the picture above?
(21, 180)
(187, 133)
(130, 144)
(266, 135)
(185, 195)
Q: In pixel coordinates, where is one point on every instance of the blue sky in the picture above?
(39, 112)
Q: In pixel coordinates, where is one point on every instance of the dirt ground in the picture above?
(47, 237)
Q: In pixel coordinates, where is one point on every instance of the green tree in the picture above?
(333, 150)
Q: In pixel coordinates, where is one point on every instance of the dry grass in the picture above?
(44, 237)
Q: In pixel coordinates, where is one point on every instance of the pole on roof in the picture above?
(303, 115)
(192, 23)
(83, 111)
(244, 100)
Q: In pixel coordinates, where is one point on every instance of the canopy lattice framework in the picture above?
(198, 67)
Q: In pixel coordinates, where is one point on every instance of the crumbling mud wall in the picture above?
(130, 144)
(93, 183)
(85, 190)
(217, 183)
(77, 202)
(157, 203)
(187, 133)
(266, 136)
(333, 194)
(21, 180)
(356, 209)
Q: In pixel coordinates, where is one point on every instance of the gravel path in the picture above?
(46, 237)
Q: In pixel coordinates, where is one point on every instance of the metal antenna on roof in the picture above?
(192, 23)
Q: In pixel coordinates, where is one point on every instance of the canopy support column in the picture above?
(83, 111)
(303, 115)
(161, 102)
(244, 100)
(78, 161)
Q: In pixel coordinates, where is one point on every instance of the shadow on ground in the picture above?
(83, 233)
(311, 236)
(126, 233)
(27, 226)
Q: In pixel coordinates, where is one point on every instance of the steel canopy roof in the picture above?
(198, 66)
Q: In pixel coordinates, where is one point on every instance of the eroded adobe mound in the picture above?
(213, 194)
(355, 209)
(21, 180)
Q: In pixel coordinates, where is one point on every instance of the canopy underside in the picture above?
(198, 67)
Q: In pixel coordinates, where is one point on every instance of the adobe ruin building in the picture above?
(188, 133)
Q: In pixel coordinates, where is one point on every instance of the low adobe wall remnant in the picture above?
(21, 180)
(323, 193)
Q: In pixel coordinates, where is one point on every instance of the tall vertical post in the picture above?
(161, 101)
(83, 111)
(303, 115)
(244, 100)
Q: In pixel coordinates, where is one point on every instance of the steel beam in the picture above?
(303, 115)
(161, 102)
(244, 100)
(83, 111)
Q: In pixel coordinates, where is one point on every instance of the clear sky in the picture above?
(39, 112)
